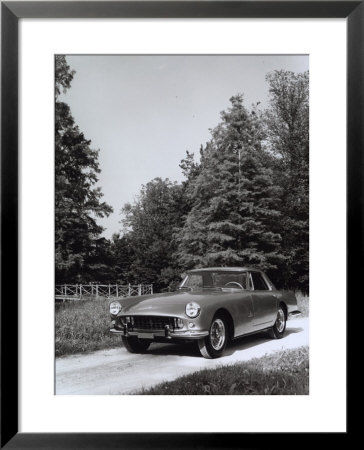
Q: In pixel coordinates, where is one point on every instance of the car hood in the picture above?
(169, 303)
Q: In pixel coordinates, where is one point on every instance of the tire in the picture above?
(135, 345)
(213, 345)
(279, 327)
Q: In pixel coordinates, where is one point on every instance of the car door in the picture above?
(244, 314)
(239, 302)
(264, 301)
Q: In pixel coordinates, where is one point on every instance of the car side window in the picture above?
(244, 280)
(259, 282)
(195, 281)
(222, 279)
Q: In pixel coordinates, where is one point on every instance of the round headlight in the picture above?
(192, 309)
(115, 307)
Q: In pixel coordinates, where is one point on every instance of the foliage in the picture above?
(244, 202)
(77, 200)
(148, 228)
(287, 128)
(282, 373)
(83, 326)
(233, 218)
(122, 250)
(303, 304)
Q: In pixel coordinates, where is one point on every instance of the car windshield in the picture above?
(237, 280)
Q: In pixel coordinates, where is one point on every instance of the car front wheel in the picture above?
(277, 331)
(135, 345)
(213, 345)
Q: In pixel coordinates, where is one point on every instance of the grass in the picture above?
(83, 326)
(303, 304)
(282, 373)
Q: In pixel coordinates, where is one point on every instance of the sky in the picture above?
(144, 112)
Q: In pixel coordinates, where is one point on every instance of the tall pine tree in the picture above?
(234, 218)
(287, 127)
(77, 200)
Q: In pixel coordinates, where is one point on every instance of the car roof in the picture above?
(224, 269)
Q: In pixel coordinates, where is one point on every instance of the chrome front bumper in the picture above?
(167, 333)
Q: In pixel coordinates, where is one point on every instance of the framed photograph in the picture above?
(181, 213)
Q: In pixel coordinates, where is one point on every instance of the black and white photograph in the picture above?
(181, 224)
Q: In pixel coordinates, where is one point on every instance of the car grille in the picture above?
(151, 322)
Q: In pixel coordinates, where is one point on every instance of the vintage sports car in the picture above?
(211, 306)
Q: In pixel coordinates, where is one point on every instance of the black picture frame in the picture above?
(11, 12)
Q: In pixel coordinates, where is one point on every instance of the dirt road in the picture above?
(118, 372)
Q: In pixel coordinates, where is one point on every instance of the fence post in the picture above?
(139, 289)
(129, 290)
(117, 291)
(151, 289)
(97, 290)
(109, 289)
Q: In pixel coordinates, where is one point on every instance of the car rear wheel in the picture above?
(213, 345)
(135, 345)
(277, 331)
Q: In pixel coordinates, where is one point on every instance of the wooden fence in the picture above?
(77, 291)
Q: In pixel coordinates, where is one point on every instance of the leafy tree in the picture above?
(100, 263)
(148, 229)
(77, 201)
(287, 128)
(123, 251)
(63, 75)
(233, 219)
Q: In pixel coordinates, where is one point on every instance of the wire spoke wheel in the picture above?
(281, 320)
(217, 334)
(279, 327)
(213, 345)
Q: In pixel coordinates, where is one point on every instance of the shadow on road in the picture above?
(255, 340)
(243, 343)
(190, 349)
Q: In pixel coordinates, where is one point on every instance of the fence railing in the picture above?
(102, 290)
